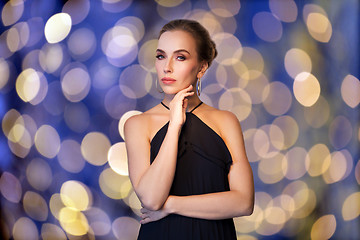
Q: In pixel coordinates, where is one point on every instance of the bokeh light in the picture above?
(350, 89)
(39, 174)
(230, 101)
(120, 46)
(75, 195)
(297, 61)
(73, 72)
(82, 44)
(51, 231)
(276, 98)
(267, 27)
(319, 26)
(135, 82)
(77, 9)
(28, 85)
(115, 6)
(117, 158)
(10, 187)
(224, 9)
(125, 228)
(35, 206)
(47, 141)
(98, 221)
(318, 159)
(94, 148)
(286, 11)
(25, 228)
(57, 27)
(75, 83)
(324, 227)
(12, 12)
(123, 119)
(110, 181)
(229, 47)
(306, 89)
(180, 9)
(351, 207)
(51, 57)
(73, 221)
(4, 73)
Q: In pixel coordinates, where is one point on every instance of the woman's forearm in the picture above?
(154, 186)
(211, 206)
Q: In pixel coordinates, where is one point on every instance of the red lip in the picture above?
(167, 80)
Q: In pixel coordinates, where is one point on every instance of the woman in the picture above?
(187, 160)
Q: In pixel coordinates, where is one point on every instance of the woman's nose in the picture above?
(168, 66)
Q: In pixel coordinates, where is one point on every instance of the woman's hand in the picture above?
(178, 106)
(151, 216)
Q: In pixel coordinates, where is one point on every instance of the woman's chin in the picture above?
(171, 91)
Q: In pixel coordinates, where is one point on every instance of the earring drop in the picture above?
(198, 87)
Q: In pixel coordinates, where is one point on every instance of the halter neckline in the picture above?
(190, 111)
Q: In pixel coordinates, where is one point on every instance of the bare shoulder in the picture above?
(220, 121)
(136, 124)
(220, 117)
(227, 116)
(143, 123)
(139, 122)
(140, 119)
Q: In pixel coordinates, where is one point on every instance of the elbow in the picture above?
(149, 201)
(249, 210)
(151, 204)
(152, 207)
(245, 209)
(248, 206)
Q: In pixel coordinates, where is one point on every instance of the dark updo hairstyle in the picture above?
(205, 47)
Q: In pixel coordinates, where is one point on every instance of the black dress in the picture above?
(202, 166)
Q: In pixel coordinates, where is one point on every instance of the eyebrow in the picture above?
(177, 51)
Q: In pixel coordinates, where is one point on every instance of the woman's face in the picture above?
(177, 62)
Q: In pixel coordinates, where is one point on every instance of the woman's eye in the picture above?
(159, 56)
(181, 58)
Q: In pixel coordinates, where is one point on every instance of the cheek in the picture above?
(192, 71)
(189, 75)
(158, 67)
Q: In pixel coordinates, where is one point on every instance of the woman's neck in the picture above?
(193, 100)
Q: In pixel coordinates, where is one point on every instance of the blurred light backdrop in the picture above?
(72, 72)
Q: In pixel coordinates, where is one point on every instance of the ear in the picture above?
(203, 68)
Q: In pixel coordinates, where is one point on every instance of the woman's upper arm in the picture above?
(240, 174)
(137, 147)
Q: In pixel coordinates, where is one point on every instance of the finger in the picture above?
(185, 102)
(144, 221)
(188, 94)
(188, 89)
(179, 99)
(183, 95)
(143, 210)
